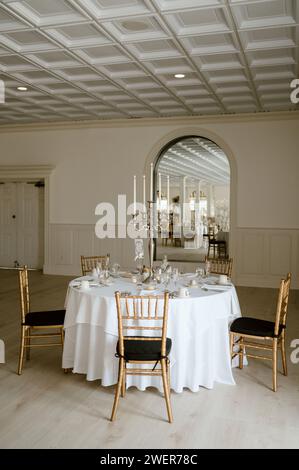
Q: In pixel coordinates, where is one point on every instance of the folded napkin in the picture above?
(149, 292)
(220, 287)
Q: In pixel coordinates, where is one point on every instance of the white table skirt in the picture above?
(198, 327)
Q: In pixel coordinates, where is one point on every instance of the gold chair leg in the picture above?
(166, 390)
(118, 389)
(283, 354)
(66, 371)
(22, 347)
(168, 376)
(274, 363)
(231, 344)
(62, 336)
(123, 385)
(28, 342)
(241, 355)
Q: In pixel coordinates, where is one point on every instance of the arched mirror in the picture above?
(192, 189)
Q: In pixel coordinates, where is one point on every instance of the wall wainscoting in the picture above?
(262, 256)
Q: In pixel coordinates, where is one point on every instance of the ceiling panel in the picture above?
(106, 59)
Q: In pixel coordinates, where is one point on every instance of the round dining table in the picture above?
(198, 326)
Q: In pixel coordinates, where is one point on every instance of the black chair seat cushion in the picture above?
(140, 350)
(254, 327)
(48, 318)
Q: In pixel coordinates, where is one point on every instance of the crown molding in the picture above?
(146, 122)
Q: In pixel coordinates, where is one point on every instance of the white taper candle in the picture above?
(144, 192)
(134, 197)
(152, 182)
(160, 189)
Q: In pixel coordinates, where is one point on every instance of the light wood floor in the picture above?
(44, 408)
(176, 253)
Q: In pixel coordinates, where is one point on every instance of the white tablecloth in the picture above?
(198, 326)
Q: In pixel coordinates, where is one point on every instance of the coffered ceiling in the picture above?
(105, 59)
(197, 158)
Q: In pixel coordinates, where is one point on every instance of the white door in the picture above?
(23, 221)
(8, 224)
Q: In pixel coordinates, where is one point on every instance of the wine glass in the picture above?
(101, 276)
(175, 276)
(106, 263)
(164, 279)
(207, 268)
(199, 273)
(115, 269)
(139, 281)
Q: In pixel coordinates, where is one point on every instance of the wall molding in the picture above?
(148, 122)
(265, 255)
(25, 171)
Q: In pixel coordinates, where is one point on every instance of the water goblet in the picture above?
(115, 269)
(175, 276)
(139, 282)
(101, 276)
(207, 268)
(199, 273)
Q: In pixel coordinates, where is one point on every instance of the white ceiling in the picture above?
(103, 59)
(197, 158)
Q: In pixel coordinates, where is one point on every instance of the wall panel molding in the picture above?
(264, 256)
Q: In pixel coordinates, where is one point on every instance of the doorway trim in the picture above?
(155, 154)
(32, 172)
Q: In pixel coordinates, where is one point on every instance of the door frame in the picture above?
(20, 173)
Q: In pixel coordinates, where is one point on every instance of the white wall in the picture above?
(94, 162)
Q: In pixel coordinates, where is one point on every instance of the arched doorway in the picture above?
(192, 191)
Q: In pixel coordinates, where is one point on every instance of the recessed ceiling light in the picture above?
(179, 75)
(131, 25)
(22, 88)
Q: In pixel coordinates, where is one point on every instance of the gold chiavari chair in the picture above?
(220, 266)
(266, 335)
(212, 241)
(88, 263)
(32, 321)
(133, 312)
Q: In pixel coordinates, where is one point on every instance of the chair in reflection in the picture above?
(220, 266)
(133, 313)
(212, 247)
(88, 263)
(254, 333)
(36, 321)
(216, 246)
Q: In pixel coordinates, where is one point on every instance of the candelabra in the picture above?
(146, 222)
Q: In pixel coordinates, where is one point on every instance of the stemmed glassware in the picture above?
(139, 279)
(207, 268)
(200, 273)
(165, 279)
(175, 276)
(115, 269)
(101, 276)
